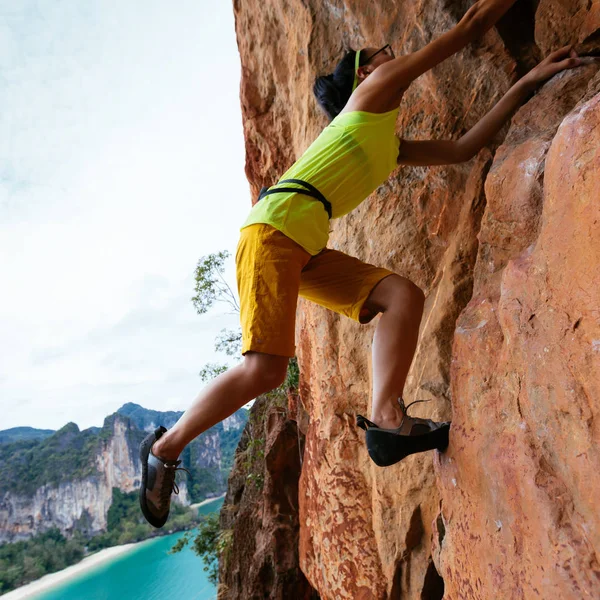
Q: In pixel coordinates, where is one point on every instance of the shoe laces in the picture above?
(366, 424)
(169, 485)
(405, 409)
(415, 420)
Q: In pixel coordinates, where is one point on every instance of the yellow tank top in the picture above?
(351, 158)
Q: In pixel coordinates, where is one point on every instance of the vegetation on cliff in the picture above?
(70, 455)
(17, 434)
(67, 455)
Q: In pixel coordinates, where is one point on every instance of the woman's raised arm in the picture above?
(447, 152)
(383, 89)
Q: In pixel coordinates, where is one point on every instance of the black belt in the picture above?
(310, 190)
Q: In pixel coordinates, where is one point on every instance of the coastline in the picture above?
(207, 501)
(47, 582)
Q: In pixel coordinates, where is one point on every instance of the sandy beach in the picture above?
(49, 581)
(89, 562)
(208, 501)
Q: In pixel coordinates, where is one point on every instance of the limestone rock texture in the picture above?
(80, 504)
(506, 247)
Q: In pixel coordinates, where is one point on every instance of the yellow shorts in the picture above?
(272, 271)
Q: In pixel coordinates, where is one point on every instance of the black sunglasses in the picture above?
(376, 53)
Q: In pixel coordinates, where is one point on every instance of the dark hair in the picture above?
(333, 91)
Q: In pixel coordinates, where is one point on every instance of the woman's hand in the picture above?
(565, 58)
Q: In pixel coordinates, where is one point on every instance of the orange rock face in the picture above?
(520, 482)
(507, 249)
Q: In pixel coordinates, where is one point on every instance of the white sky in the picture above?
(121, 164)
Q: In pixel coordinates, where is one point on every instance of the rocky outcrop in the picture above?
(520, 483)
(64, 506)
(506, 248)
(259, 518)
(67, 480)
(80, 500)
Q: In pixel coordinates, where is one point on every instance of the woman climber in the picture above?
(282, 250)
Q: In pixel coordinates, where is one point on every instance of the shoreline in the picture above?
(47, 582)
(207, 501)
(50, 580)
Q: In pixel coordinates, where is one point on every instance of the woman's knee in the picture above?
(416, 294)
(267, 370)
(396, 291)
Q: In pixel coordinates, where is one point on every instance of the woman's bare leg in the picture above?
(394, 344)
(258, 374)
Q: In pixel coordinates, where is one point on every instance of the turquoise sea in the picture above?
(147, 572)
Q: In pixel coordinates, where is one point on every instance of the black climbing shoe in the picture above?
(389, 446)
(158, 481)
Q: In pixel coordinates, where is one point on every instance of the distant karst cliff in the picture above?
(506, 247)
(65, 479)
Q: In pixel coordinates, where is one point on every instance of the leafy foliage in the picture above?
(66, 455)
(211, 370)
(146, 419)
(211, 286)
(209, 543)
(17, 434)
(48, 552)
(292, 377)
(229, 342)
(205, 483)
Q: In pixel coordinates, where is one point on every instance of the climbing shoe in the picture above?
(389, 446)
(158, 481)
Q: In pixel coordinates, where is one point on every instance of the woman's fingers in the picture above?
(559, 60)
(564, 58)
(569, 63)
(565, 51)
(561, 53)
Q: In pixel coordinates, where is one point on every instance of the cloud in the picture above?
(122, 156)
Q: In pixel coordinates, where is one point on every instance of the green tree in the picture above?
(22, 562)
(211, 288)
(209, 543)
(211, 370)
(229, 342)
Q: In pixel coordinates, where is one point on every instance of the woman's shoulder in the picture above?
(369, 100)
(350, 117)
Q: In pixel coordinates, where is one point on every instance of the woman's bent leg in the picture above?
(258, 374)
(394, 344)
(360, 291)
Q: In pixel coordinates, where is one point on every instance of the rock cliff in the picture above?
(259, 518)
(506, 247)
(66, 480)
